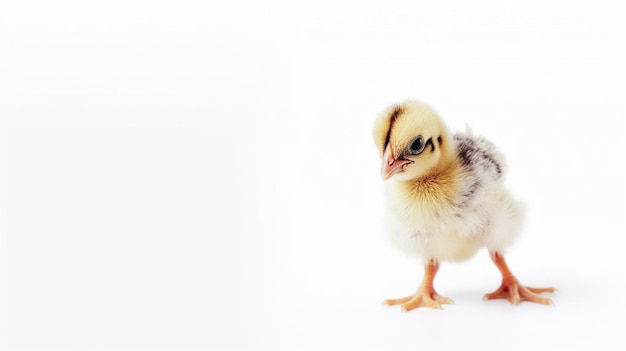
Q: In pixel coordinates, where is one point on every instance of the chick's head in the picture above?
(412, 141)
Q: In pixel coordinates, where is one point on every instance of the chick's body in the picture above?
(452, 214)
(445, 199)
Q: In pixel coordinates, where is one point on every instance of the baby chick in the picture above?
(446, 200)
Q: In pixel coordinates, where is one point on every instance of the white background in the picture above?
(200, 174)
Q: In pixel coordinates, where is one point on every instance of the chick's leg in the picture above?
(512, 290)
(425, 296)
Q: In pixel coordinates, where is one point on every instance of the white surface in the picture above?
(201, 174)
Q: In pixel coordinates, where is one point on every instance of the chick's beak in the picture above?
(391, 165)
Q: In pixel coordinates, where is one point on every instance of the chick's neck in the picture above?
(440, 183)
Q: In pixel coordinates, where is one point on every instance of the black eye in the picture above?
(417, 146)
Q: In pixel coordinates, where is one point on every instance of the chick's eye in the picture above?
(417, 146)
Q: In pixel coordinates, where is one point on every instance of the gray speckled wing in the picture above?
(479, 156)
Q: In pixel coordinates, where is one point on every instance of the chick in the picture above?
(446, 200)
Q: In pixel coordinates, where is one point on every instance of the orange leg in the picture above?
(512, 290)
(425, 296)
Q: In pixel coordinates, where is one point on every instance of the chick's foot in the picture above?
(513, 291)
(424, 297)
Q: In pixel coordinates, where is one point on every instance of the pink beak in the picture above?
(390, 165)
